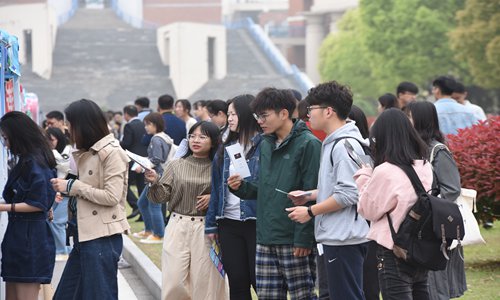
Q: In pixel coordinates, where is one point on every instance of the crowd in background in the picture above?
(306, 214)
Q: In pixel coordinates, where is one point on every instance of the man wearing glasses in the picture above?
(289, 160)
(338, 227)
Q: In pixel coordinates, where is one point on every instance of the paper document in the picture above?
(238, 159)
(141, 160)
(298, 195)
(360, 160)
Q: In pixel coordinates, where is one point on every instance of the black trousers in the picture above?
(238, 243)
(370, 273)
(138, 180)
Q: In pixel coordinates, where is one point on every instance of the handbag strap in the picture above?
(435, 149)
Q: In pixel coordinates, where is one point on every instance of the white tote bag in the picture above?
(467, 204)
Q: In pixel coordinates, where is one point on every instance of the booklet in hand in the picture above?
(238, 159)
(360, 160)
(140, 160)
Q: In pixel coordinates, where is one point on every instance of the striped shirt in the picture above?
(182, 181)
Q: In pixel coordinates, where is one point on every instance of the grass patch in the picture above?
(482, 266)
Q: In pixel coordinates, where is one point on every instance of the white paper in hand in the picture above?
(238, 159)
(141, 160)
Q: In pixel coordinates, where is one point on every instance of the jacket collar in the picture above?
(103, 142)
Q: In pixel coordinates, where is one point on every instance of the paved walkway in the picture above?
(130, 286)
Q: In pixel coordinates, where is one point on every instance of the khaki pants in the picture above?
(187, 270)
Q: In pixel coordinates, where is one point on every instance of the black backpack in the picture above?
(428, 229)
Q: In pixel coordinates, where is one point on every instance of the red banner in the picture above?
(9, 95)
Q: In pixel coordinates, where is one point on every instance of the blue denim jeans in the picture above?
(91, 270)
(151, 214)
(399, 280)
(58, 226)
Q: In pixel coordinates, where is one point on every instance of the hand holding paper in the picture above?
(141, 160)
(238, 159)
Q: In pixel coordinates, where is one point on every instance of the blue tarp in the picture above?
(12, 45)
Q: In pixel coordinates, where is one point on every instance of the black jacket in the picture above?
(132, 136)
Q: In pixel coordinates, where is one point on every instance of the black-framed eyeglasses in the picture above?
(310, 108)
(261, 117)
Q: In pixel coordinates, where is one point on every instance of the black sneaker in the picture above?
(134, 214)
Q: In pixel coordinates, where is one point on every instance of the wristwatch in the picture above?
(309, 212)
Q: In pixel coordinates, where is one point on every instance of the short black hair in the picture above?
(166, 102)
(388, 100)
(214, 106)
(393, 139)
(445, 84)
(202, 103)
(332, 94)
(55, 114)
(296, 94)
(274, 99)
(405, 87)
(142, 102)
(157, 120)
(131, 110)
(459, 88)
(302, 108)
(208, 129)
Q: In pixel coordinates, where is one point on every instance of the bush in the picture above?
(476, 151)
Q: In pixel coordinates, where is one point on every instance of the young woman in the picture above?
(62, 152)
(158, 151)
(183, 111)
(229, 218)
(386, 101)
(188, 272)
(387, 190)
(448, 283)
(28, 249)
(97, 207)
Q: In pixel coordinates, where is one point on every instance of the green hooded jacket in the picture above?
(293, 165)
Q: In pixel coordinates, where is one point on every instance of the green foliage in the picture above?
(382, 43)
(476, 40)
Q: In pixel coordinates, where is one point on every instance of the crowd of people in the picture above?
(306, 214)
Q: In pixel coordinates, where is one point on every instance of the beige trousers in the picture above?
(187, 270)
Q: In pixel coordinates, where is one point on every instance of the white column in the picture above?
(315, 33)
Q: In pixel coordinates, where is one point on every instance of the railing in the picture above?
(272, 53)
(131, 20)
(286, 30)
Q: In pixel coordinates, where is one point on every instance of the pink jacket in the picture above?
(388, 189)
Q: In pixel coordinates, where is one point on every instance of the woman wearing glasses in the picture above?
(188, 272)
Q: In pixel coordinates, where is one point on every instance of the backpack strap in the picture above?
(415, 181)
(435, 149)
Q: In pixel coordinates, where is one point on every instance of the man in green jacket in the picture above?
(289, 161)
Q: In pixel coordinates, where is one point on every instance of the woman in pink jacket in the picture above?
(387, 189)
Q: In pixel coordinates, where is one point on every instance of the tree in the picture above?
(344, 58)
(476, 41)
(409, 39)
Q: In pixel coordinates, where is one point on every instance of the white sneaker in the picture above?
(152, 239)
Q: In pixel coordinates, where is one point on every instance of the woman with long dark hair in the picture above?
(188, 272)
(97, 208)
(28, 249)
(62, 152)
(387, 190)
(448, 283)
(230, 219)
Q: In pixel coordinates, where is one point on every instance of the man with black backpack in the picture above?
(339, 229)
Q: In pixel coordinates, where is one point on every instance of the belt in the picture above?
(184, 217)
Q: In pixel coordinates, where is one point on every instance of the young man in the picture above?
(142, 105)
(174, 127)
(452, 116)
(55, 119)
(406, 92)
(289, 160)
(133, 132)
(338, 227)
(460, 95)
